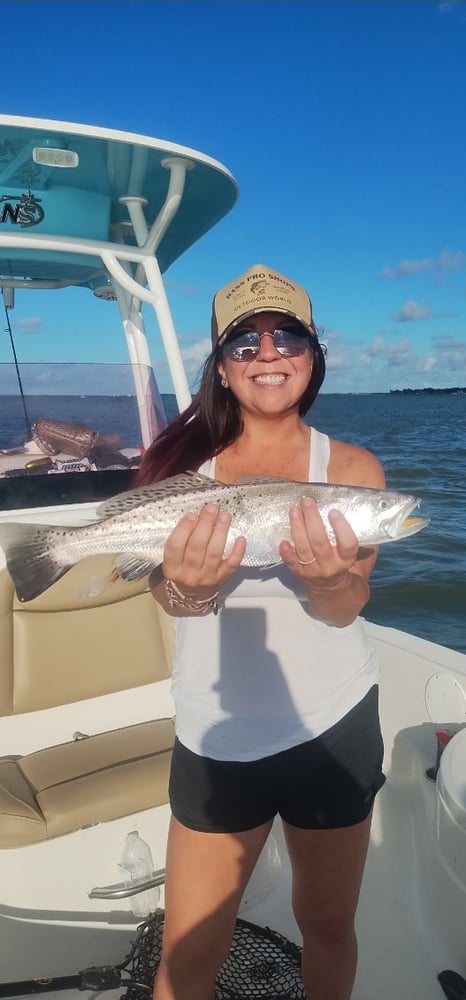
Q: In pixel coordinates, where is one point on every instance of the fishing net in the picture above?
(261, 964)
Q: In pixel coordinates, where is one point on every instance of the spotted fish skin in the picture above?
(135, 525)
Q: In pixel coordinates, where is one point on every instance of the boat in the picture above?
(86, 724)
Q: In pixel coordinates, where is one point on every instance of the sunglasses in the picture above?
(244, 345)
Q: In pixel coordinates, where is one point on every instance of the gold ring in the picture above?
(309, 562)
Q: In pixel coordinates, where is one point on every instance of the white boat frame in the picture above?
(142, 284)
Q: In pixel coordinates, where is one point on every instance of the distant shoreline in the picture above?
(454, 391)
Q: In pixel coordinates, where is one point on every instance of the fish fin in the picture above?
(185, 482)
(251, 480)
(125, 501)
(132, 567)
(32, 569)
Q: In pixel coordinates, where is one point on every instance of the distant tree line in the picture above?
(452, 391)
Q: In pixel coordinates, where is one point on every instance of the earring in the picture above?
(224, 382)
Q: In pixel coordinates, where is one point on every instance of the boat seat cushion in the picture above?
(91, 780)
(88, 635)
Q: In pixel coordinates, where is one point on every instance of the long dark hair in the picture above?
(211, 422)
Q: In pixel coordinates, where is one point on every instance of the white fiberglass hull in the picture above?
(412, 910)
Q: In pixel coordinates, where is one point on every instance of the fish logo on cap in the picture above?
(258, 288)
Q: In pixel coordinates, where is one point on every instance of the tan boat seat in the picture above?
(87, 636)
(91, 780)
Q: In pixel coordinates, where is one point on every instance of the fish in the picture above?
(134, 525)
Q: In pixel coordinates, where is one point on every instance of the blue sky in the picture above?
(343, 123)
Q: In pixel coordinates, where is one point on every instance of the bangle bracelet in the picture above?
(176, 596)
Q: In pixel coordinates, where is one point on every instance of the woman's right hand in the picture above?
(194, 554)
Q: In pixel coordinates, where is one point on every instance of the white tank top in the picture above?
(264, 675)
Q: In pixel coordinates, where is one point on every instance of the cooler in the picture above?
(451, 807)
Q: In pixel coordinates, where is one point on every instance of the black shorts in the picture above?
(325, 783)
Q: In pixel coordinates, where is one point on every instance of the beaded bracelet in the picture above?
(175, 596)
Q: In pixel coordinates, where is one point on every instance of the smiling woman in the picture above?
(266, 364)
(263, 726)
(265, 305)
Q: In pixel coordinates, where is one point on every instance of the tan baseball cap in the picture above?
(260, 289)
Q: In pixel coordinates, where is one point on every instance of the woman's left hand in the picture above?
(312, 556)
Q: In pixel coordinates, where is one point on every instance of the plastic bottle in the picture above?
(136, 863)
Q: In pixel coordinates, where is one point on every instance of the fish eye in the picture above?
(384, 504)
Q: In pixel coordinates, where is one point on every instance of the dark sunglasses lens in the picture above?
(242, 347)
(291, 342)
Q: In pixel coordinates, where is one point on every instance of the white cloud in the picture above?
(29, 324)
(197, 353)
(406, 267)
(452, 356)
(384, 362)
(338, 356)
(194, 357)
(391, 351)
(387, 362)
(411, 310)
(448, 6)
(449, 261)
(428, 363)
(184, 288)
(445, 263)
(401, 364)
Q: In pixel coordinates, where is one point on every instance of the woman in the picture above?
(276, 695)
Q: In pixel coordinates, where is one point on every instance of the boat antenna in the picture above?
(8, 302)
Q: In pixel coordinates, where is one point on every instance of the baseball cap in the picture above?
(259, 289)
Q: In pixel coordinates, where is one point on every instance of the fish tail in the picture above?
(29, 558)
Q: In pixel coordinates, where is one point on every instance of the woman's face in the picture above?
(269, 384)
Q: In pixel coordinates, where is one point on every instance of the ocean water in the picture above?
(419, 584)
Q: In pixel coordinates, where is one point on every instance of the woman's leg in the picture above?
(206, 874)
(327, 867)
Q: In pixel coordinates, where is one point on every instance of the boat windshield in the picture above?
(74, 433)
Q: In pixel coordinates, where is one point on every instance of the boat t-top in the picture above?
(109, 212)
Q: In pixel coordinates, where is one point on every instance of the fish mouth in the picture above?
(403, 525)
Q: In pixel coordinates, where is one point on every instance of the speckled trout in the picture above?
(134, 526)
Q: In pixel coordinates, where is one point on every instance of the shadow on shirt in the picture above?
(252, 690)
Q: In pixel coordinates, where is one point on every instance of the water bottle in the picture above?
(137, 864)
